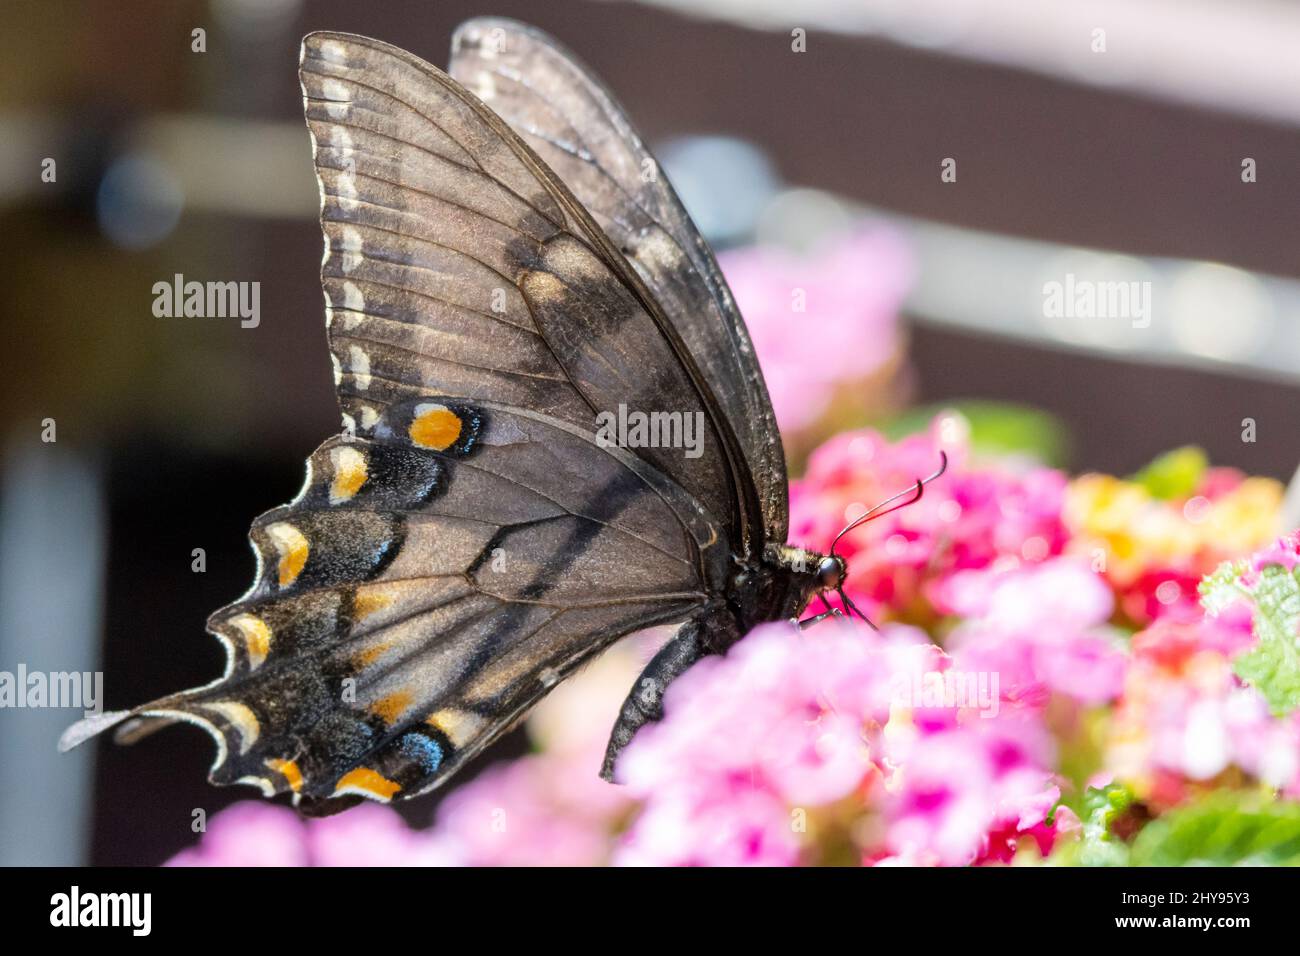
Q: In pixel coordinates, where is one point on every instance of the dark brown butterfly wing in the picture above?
(411, 602)
(469, 540)
(575, 124)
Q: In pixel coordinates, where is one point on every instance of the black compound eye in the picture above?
(830, 573)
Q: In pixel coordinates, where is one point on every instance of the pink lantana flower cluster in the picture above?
(1186, 722)
(911, 563)
(764, 744)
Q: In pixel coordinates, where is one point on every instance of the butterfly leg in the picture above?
(816, 618)
(644, 703)
(831, 611)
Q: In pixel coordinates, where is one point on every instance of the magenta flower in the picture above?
(1284, 552)
(962, 783)
(975, 517)
(1004, 842)
(1162, 594)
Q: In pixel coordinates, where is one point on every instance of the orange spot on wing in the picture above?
(367, 780)
(349, 473)
(367, 602)
(392, 706)
(435, 426)
(372, 654)
(289, 770)
(257, 637)
(293, 549)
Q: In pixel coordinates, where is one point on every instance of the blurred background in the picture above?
(813, 148)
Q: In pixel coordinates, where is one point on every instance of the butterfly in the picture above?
(505, 269)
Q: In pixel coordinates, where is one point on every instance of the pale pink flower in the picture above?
(745, 826)
(551, 808)
(1040, 628)
(785, 722)
(257, 833)
(836, 312)
(1185, 714)
(371, 835)
(253, 833)
(539, 810)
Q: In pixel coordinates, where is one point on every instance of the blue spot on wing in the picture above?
(421, 749)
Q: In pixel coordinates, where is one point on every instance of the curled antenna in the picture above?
(916, 491)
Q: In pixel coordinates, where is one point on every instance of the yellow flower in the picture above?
(1138, 532)
(1246, 518)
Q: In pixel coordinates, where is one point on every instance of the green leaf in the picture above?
(1098, 845)
(1274, 664)
(996, 429)
(1175, 474)
(1223, 587)
(1225, 829)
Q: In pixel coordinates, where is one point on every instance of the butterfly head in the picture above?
(831, 572)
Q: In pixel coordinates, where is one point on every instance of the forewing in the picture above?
(457, 263)
(573, 123)
(429, 583)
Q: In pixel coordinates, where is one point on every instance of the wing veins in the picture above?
(433, 298)
(428, 242)
(477, 168)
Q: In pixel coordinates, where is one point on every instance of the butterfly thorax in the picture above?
(780, 584)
